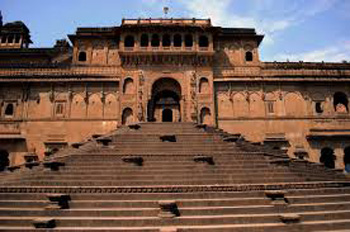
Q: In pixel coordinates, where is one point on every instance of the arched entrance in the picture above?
(327, 157)
(205, 115)
(127, 117)
(4, 160)
(164, 105)
(167, 115)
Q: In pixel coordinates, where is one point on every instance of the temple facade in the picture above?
(167, 70)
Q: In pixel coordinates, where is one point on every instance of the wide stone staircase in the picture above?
(172, 177)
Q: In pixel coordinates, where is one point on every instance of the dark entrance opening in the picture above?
(327, 157)
(164, 105)
(167, 115)
(4, 160)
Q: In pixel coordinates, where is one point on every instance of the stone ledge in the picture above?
(175, 189)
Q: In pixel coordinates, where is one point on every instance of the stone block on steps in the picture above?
(77, 145)
(41, 223)
(204, 159)
(58, 201)
(301, 153)
(105, 141)
(290, 218)
(53, 165)
(168, 138)
(134, 126)
(30, 165)
(13, 168)
(136, 160)
(168, 209)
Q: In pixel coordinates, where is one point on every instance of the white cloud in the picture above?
(268, 16)
(335, 53)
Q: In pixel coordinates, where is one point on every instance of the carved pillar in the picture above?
(86, 99)
(103, 100)
(193, 94)
(70, 99)
(140, 113)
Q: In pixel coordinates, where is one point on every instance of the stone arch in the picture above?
(248, 56)
(111, 106)
(144, 40)
(155, 42)
(167, 115)
(127, 116)
(225, 107)
(205, 116)
(9, 110)
(240, 105)
(340, 102)
(294, 105)
(4, 160)
(82, 56)
(95, 106)
(204, 85)
(188, 40)
(166, 42)
(256, 105)
(347, 159)
(203, 41)
(165, 93)
(177, 40)
(128, 86)
(78, 106)
(129, 41)
(327, 157)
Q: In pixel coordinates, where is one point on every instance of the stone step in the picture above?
(320, 226)
(182, 220)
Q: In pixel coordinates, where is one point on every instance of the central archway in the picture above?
(165, 99)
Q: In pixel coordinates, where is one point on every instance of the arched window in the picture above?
(144, 40)
(155, 40)
(59, 109)
(248, 56)
(318, 107)
(82, 56)
(9, 111)
(205, 115)
(188, 41)
(10, 39)
(17, 39)
(327, 157)
(203, 85)
(127, 116)
(4, 160)
(128, 87)
(3, 39)
(166, 40)
(129, 41)
(347, 159)
(177, 40)
(203, 41)
(340, 102)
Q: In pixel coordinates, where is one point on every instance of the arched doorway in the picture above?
(327, 157)
(167, 115)
(127, 117)
(347, 159)
(205, 115)
(4, 160)
(164, 105)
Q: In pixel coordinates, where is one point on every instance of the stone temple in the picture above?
(169, 125)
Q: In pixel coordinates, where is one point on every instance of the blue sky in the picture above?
(309, 30)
